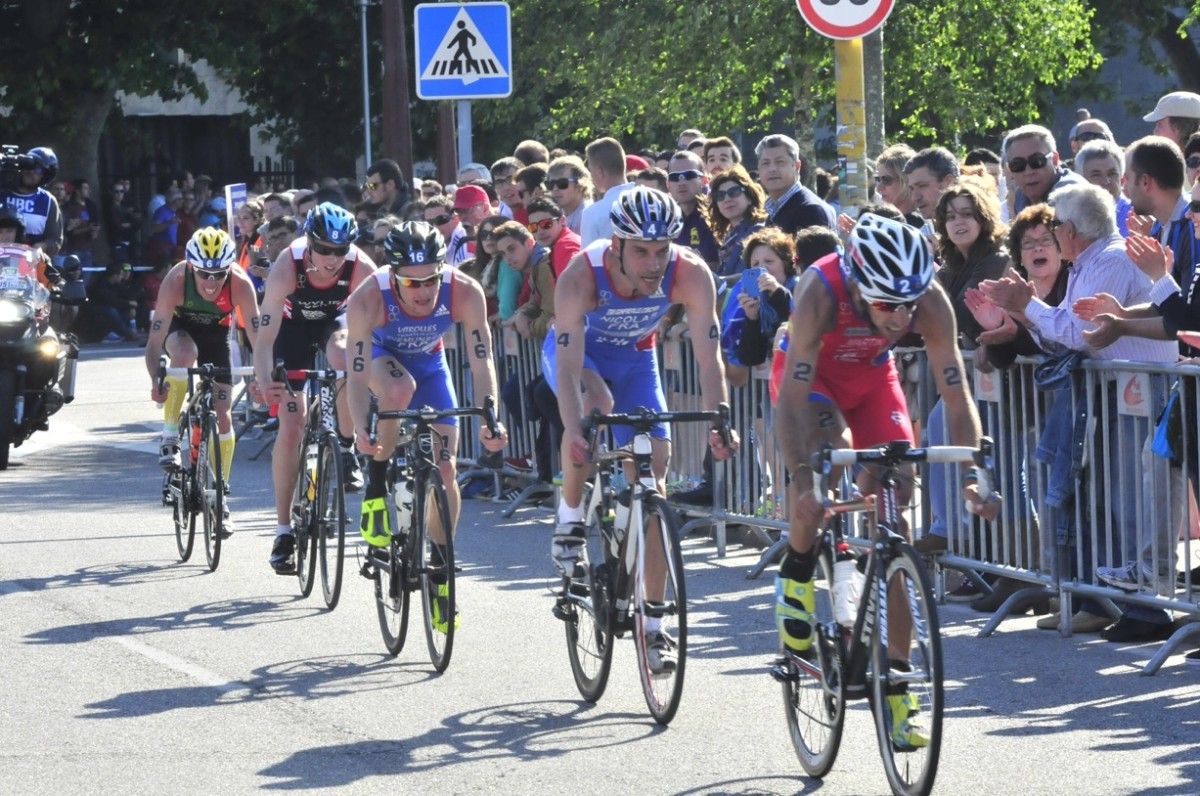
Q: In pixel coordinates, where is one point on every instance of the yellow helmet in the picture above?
(211, 249)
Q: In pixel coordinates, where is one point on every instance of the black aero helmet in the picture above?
(414, 243)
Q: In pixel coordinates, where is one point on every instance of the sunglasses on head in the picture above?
(1034, 161)
(326, 250)
(893, 306)
(1193, 162)
(212, 276)
(562, 184)
(732, 192)
(437, 221)
(683, 176)
(545, 225)
(1194, 207)
(422, 281)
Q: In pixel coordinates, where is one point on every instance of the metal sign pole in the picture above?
(465, 154)
(366, 86)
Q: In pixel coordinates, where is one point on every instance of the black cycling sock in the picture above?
(798, 566)
(347, 443)
(437, 560)
(376, 480)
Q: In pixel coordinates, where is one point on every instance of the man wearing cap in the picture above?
(1176, 116)
(471, 205)
(635, 164)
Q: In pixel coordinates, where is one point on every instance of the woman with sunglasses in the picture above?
(484, 267)
(195, 306)
(302, 311)
(738, 201)
(396, 322)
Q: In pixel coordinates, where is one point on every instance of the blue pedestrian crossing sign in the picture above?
(464, 50)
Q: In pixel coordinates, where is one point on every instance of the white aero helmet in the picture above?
(646, 214)
(890, 260)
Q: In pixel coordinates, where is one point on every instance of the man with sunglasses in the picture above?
(192, 316)
(548, 228)
(385, 187)
(302, 311)
(1031, 157)
(687, 184)
(850, 310)
(396, 323)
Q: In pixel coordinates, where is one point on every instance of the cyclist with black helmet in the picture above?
(196, 300)
(396, 323)
(302, 311)
(608, 303)
(37, 206)
(850, 310)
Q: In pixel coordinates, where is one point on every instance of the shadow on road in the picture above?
(122, 573)
(516, 731)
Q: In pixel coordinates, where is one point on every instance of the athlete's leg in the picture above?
(596, 395)
(446, 450)
(335, 353)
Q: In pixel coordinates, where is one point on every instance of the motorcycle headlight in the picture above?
(13, 311)
(48, 347)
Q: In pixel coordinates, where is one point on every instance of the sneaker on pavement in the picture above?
(795, 606)
(168, 452)
(967, 591)
(282, 560)
(699, 496)
(351, 471)
(567, 546)
(907, 733)
(660, 653)
(930, 545)
(1181, 579)
(1125, 577)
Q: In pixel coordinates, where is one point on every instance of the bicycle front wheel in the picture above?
(304, 521)
(330, 519)
(587, 612)
(391, 594)
(813, 687)
(660, 610)
(179, 488)
(436, 569)
(906, 682)
(210, 488)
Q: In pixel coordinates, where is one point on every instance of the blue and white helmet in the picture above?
(890, 260)
(331, 224)
(646, 214)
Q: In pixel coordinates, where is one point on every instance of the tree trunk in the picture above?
(78, 150)
(873, 78)
(1181, 52)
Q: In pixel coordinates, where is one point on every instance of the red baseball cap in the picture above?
(468, 196)
(635, 163)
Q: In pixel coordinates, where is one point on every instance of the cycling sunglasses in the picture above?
(893, 306)
(326, 250)
(211, 276)
(423, 281)
(562, 184)
(545, 225)
(683, 176)
(732, 192)
(1034, 161)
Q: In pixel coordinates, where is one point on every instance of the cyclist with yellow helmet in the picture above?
(191, 324)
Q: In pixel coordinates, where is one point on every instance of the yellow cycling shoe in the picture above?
(438, 609)
(907, 733)
(376, 525)
(795, 605)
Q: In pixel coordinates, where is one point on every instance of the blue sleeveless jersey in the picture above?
(407, 337)
(619, 324)
(34, 209)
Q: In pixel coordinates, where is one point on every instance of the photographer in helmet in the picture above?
(37, 207)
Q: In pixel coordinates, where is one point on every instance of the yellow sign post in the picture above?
(853, 188)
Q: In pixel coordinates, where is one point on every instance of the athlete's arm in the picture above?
(246, 301)
(935, 323)
(281, 283)
(363, 268)
(363, 316)
(574, 296)
(695, 291)
(470, 309)
(814, 313)
(170, 294)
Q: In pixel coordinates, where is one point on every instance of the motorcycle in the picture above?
(37, 366)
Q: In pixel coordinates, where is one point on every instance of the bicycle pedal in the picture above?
(561, 610)
(783, 672)
(367, 570)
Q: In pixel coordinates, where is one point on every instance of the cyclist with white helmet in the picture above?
(195, 303)
(850, 309)
(302, 311)
(608, 303)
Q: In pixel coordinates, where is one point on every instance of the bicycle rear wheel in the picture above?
(908, 704)
(813, 688)
(330, 519)
(304, 520)
(587, 614)
(660, 631)
(436, 569)
(179, 486)
(210, 488)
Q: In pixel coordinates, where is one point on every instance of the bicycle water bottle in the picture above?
(310, 469)
(621, 518)
(195, 452)
(847, 586)
(404, 502)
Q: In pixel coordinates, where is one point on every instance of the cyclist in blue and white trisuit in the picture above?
(608, 304)
(395, 322)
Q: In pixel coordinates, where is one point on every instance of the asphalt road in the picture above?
(125, 670)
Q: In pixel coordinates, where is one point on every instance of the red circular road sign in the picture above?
(845, 19)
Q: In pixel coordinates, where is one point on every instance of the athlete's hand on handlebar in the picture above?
(988, 509)
(720, 450)
(809, 511)
(158, 391)
(494, 443)
(362, 441)
(579, 448)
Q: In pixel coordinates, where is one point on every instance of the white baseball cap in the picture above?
(1177, 103)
